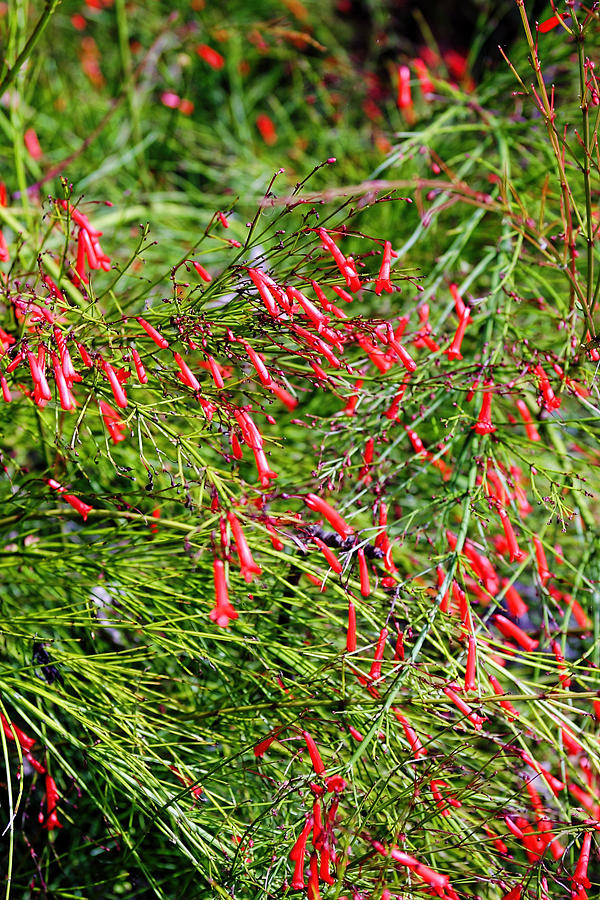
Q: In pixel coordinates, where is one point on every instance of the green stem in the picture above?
(10, 73)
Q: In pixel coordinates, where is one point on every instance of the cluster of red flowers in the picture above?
(49, 819)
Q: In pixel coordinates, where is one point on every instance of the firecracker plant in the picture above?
(299, 534)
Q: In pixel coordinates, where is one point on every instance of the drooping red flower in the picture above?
(484, 423)
(266, 128)
(248, 567)
(315, 756)
(363, 569)
(32, 144)
(50, 820)
(114, 425)
(223, 611)
(317, 504)
(210, 56)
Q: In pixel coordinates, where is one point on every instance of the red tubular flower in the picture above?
(4, 254)
(187, 376)
(275, 541)
(344, 265)
(564, 679)
(553, 783)
(404, 98)
(264, 289)
(139, 367)
(552, 22)
(223, 611)
(484, 422)
(459, 304)
(247, 565)
(399, 649)
(38, 376)
(365, 585)
(453, 351)
(411, 735)
(516, 605)
(475, 720)
(403, 355)
(513, 828)
(88, 249)
(210, 56)
(571, 745)
(471, 664)
(266, 127)
(67, 401)
(235, 446)
(261, 369)
(317, 344)
(392, 411)
(50, 820)
(116, 386)
(85, 356)
(542, 563)
(424, 339)
(82, 508)
(440, 801)
(439, 883)
(113, 423)
(574, 607)
(204, 275)
(65, 357)
(379, 359)
(250, 432)
(315, 758)
(497, 842)
(416, 441)
(32, 144)
(313, 892)
(282, 394)
(383, 282)
(580, 879)
(512, 631)
(80, 264)
(265, 474)
(375, 671)
(351, 633)
(530, 428)
(324, 874)
(317, 504)
(550, 401)
(6, 396)
(154, 525)
(425, 83)
(10, 730)
(297, 854)
(318, 318)
(156, 336)
(197, 790)
(264, 745)
(445, 602)
(329, 555)
(514, 893)
(481, 564)
(515, 554)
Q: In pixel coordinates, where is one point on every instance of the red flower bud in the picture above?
(156, 336)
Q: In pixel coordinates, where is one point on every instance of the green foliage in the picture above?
(145, 711)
